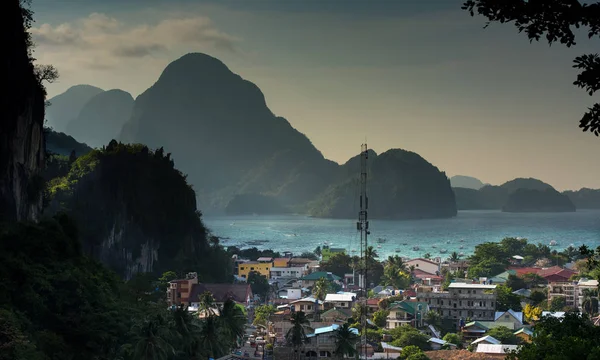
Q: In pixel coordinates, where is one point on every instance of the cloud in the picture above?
(107, 39)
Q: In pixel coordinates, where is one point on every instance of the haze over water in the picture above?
(301, 233)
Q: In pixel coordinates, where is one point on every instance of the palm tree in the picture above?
(590, 302)
(345, 341)
(433, 318)
(207, 304)
(188, 329)
(151, 339)
(454, 257)
(296, 336)
(320, 288)
(211, 339)
(232, 321)
(397, 262)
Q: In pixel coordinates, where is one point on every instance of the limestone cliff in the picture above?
(135, 211)
(21, 127)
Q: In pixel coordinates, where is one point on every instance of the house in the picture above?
(405, 312)
(327, 252)
(476, 329)
(462, 300)
(501, 278)
(426, 265)
(391, 350)
(336, 315)
(307, 305)
(437, 344)
(178, 291)
(343, 300)
(510, 316)
(524, 334)
(281, 262)
(299, 262)
(322, 342)
(426, 278)
(240, 293)
(556, 274)
(373, 304)
(263, 268)
(310, 279)
(566, 290)
(494, 349)
(286, 272)
(486, 340)
(290, 293)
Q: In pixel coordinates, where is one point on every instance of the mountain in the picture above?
(585, 198)
(517, 195)
(402, 185)
(223, 135)
(102, 117)
(532, 200)
(467, 182)
(233, 148)
(21, 128)
(65, 107)
(63, 144)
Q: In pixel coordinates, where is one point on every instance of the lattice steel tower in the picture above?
(363, 226)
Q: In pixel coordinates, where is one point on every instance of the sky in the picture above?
(420, 75)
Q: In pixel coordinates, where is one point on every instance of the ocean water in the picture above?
(300, 233)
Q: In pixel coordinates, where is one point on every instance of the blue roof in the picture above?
(331, 328)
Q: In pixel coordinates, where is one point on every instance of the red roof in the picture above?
(373, 301)
(409, 293)
(557, 270)
(420, 274)
(525, 270)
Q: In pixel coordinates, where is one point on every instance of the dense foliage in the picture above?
(63, 144)
(529, 200)
(56, 303)
(136, 194)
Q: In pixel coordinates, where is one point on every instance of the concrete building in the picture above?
(327, 252)
(263, 268)
(426, 265)
(179, 291)
(286, 272)
(566, 290)
(310, 279)
(406, 313)
(341, 300)
(462, 301)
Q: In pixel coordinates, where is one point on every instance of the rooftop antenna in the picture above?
(363, 226)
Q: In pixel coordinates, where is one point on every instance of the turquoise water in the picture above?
(469, 228)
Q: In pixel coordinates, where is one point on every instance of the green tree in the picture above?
(345, 341)
(533, 280)
(358, 310)
(152, 339)
(455, 339)
(338, 264)
(206, 303)
(406, 335)
(573, 337)
(296, 335)
(515, 282)
(263, 313)
(504, 334)
(410, 351)
(380, 317)
(259, 284)
(506, 300)
(558, 303)
(433, 318)
(321, 288)
(537, 297)
(211, 340)
(395, 273)
(232, 321)
(554, 20)
(590, 301)
(454, 257)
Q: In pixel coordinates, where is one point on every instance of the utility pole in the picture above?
(363, 226)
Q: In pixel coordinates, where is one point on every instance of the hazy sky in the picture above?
(421, 75)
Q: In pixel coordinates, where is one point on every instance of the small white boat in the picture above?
(447, 241)
(433, 246)
(462, 247)
(443, 251)
(461, 254)
(553, 243)
(379, 246)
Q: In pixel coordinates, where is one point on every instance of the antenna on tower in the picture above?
(363, 226)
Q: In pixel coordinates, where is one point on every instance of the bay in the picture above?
(298, 233)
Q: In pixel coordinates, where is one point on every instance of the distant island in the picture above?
(518, 195)
(467, 182)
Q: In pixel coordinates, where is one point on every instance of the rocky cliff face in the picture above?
(135, 211)
(21, 128)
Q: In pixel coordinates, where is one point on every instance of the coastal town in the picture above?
(442, 308)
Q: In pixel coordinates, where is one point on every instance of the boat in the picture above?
(353, 251)
(381, 240)
(433, 246)
(443, 251)
(416, 248)
(553, 243)
(379, 246)
(461, 254)
(404, 244)
(398, 250)
(461, 247)
(462, 240)
(447, 241)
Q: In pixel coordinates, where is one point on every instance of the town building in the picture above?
(343, 300)
(308, 305)
(510, 316)
(178, 291)
(556, 274)
(426, 265)
(406, 313)
(566, 290)
(261, 267)
(281, 262)
(336, 315)
(286, 272)
(462, 301)
(310, 279)
(524, 334)
(240, 293)
(322, 342)
(327, 252)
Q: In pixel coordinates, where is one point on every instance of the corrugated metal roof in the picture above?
(495, 348)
